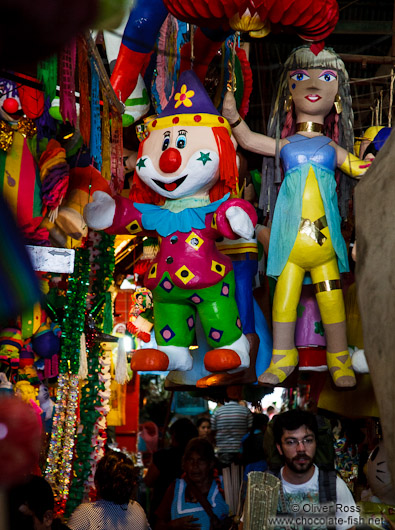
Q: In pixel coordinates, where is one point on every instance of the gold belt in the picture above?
(313, 229)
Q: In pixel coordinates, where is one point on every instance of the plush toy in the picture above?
(313, 112)
(47, 407)
(185, 172)
(69, 223)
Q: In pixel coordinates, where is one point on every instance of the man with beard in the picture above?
(310, 495)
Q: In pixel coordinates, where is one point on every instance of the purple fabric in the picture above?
(309, 330)
(57, 172)
(51, 367)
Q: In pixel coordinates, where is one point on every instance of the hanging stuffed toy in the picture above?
(185, 172)
(313, 112)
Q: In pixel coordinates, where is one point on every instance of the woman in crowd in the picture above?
(115, 481)
(204, 428)
(196, 499)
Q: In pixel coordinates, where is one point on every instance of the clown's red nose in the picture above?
(10, 105)
(170, 160)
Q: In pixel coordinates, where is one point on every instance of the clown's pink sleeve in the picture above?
(222, 222)
(127, 219)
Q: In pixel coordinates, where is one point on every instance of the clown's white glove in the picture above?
(240, 222)
(99, 214)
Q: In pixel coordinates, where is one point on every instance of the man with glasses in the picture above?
(309, 497)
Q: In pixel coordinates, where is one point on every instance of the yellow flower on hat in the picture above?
(182, 97)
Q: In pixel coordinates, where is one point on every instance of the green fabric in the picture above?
(3, 157)
(47, 73)
(107, 317)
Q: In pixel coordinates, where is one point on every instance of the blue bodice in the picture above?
(302, 150)
(298, 157)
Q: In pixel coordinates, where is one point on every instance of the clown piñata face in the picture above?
(10, 105)
(183, 161)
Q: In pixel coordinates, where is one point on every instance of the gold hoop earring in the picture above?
(338, 104)
(288, 103)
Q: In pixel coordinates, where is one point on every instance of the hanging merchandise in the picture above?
(35, 175)
(74, 313)
(95, 140)
(172, 37)
(47, 73)
(218, 18)
(90, 402)
(67, 61)
(83, 84)
(141, 318)
(306, 228)
(95, 391)
(117, 171)
(69, 227)
(138, 103)
(189, 211)
(61, 447)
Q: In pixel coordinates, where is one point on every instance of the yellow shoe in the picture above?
(283, 363)
(340, 368)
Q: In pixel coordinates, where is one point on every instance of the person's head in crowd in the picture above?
(295, 433)
(204, 427)
(31, 505)
(115, 477)
(259, 422)
(198, 461)
(181, 431)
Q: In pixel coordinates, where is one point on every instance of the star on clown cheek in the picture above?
(141, 163)
(204, 158)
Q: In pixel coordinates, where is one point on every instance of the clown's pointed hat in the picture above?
(189, 105)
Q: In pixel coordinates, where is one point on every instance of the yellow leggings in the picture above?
(321, 262)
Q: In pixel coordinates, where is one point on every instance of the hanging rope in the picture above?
(391, 97)
(192, 32)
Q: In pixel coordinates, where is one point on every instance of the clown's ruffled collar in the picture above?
(180, 215)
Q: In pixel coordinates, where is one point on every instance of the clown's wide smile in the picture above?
(170, 186)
